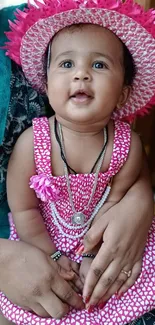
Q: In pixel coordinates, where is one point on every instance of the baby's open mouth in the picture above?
(81, 96)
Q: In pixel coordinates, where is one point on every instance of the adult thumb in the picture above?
(94, 235)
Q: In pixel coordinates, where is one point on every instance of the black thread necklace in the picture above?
(62, 153)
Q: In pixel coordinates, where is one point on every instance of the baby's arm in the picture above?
(128, 174)
(24, 206)
(126, 177)
(22, 200)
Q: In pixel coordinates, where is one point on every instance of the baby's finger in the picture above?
(52, 305)
(65, 263)
(73, 286)
(75, 267)
(77, 282)
(66, 275)
(135, 272)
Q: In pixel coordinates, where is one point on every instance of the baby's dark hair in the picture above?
(128, 61)
(129, 66)
(47, 59)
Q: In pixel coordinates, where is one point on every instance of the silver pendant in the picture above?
(78, 218)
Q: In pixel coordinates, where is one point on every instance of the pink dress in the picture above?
(141, 297)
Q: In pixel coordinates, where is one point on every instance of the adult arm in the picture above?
(123, 230)
(43, 290)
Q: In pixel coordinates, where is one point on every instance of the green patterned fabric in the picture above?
(5, 67)
(5, 76)
(19, 104)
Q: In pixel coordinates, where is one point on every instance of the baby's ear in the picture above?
(123, 97)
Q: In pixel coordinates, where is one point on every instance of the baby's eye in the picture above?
(99, 65)
(66, 64)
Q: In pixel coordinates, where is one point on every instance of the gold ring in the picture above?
(128, 273)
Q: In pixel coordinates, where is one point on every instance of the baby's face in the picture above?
(86, 75)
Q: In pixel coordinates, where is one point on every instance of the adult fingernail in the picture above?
(86, 299)
(102, 304)
(90, 309)
(119, 295)
(79, 250)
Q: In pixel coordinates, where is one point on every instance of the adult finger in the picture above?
(73, 286)
(53, 305)
(105, 282)
(64, 291)
(68, 295)
(115, 287)
(136, 270)
(98, 266)
(94, 235)
(39, 310)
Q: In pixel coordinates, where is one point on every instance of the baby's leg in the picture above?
(4, 321)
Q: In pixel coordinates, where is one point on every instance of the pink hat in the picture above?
(36, 26)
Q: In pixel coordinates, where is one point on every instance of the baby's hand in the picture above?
(69, 270)
(85, 266)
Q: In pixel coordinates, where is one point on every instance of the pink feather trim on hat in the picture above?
(28, 17)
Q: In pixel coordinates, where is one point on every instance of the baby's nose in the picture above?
(82, 75)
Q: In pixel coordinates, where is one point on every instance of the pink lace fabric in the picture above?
(140, 298)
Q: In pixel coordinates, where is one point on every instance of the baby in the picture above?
(68, 170)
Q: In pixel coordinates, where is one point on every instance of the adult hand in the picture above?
(30, 279)
(123, 230)
(69, 270)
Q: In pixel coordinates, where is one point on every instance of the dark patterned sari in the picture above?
(25, 104)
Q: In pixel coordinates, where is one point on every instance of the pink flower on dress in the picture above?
(44, 188)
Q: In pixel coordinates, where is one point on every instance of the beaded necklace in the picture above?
(78, 219)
